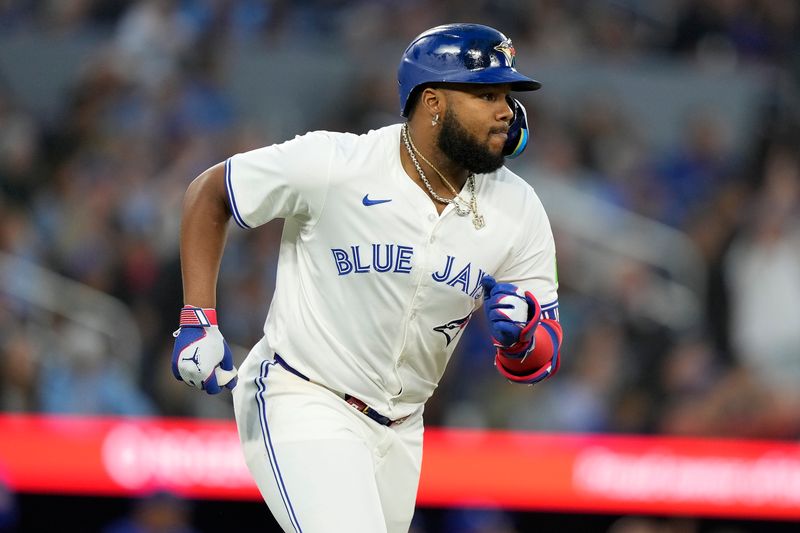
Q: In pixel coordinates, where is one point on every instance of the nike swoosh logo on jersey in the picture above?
(367, 201)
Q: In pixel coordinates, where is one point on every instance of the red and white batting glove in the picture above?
(201, 357)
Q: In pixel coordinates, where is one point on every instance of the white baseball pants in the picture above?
(321, 465)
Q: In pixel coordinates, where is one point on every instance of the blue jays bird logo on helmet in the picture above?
(508, 50)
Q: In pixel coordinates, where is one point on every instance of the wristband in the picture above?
(198, 317)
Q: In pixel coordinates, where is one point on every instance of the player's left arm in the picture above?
(527, 351)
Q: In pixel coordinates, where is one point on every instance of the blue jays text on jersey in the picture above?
(397, 258)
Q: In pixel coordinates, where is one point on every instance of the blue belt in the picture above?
(351, 400)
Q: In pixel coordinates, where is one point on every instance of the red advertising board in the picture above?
(464, 468)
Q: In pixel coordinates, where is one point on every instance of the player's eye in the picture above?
(489, 97)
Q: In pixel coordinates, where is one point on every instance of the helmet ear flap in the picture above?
(518, 130)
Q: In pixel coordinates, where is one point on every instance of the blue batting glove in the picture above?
(515, 339)
(201, 357)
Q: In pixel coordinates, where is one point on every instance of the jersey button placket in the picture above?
(420, 271)
(433, 227)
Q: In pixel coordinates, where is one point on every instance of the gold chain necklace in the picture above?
(441, 176)
(461, 206)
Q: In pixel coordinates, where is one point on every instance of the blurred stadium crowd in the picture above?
(95, 195)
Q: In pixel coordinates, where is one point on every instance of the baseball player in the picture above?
(391, 241)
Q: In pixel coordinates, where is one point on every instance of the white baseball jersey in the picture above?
(373, 285)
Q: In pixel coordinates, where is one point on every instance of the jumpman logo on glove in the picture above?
(194, 358)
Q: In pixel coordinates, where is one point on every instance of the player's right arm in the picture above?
(287, 180)
(203, 230)
(201, 357)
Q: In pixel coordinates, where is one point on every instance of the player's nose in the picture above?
(505, 113)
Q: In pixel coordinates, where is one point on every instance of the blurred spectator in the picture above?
(763, 268)
(8, 507)
(478, 521)
(756, 31)
(19, 372)
(82, 378)
(737, 405)
(608, 146)
(159, 513)
(151, 38)
(20, 169)
(636, 524)
(692, 174)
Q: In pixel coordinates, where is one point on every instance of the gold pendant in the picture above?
(478, 221)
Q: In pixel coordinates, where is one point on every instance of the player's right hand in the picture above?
(201, 357)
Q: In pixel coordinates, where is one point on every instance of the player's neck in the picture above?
(431, 159)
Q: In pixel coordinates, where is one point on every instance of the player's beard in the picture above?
(461, 147)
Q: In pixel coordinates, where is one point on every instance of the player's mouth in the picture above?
(501, 133)
(498, 136)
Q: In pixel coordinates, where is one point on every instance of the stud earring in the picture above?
(435, 120)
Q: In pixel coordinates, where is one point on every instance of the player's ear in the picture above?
(432, 101)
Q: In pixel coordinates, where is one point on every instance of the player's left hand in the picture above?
(515, 339)
(201, 356)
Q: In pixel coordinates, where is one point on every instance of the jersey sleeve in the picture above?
(287, 180)
(531, 264)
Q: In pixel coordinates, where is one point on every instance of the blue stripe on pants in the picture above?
(273, 461)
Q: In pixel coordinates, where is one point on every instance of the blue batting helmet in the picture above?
(459, 53)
